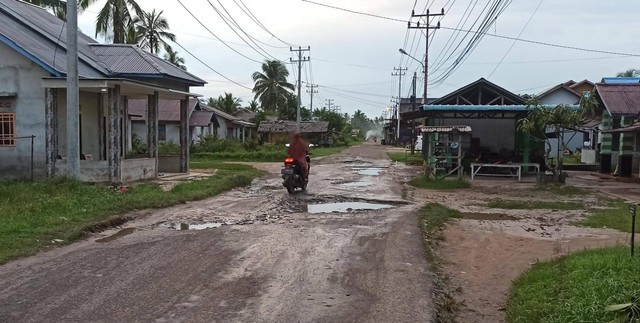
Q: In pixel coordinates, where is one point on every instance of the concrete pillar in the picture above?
(184, 135)
(51, 132)
(114, 135)
(606, 144)
(102, 103)
(152, 127)
(125, 127)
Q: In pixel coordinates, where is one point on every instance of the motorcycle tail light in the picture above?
(288, 160)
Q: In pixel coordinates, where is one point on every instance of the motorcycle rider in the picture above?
(298, 151)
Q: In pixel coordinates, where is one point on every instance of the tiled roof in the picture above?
(290, 126)
(620, 99)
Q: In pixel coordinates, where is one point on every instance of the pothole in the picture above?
(488, 216)
(118, 235)
(368, 170)
(191, 226)
(345, 207)
(354, 184)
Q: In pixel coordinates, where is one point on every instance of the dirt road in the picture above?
(253, 254)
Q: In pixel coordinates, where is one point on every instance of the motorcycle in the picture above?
(293, 175)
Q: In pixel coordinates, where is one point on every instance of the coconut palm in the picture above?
(271, 85)
(228, 103)
(58, 7)
(632, 72)
(172, 57)
(114, 18)
(152, 28)
(253, 105)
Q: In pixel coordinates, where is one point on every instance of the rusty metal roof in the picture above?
(201, 118)
(290, 127)
(620, 99)
(168, 110)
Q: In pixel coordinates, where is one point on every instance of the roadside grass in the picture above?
(575, 288)
(32, 215)
(433, 218)
(443, 184)
(266, 154)
(617, 217)
(534, 205)
(407, 158)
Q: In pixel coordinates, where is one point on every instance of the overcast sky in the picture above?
(353, 56)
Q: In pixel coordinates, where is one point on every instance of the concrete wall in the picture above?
(20, 75)
(494, 134)
(222, 130)
(169, 164)
(173, 133)
(93, 171)
(139, 128)
(138, 169)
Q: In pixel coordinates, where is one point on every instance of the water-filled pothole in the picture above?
(488, 216)
(368, 170)
(344, 207)
(189, 226)
(357, 184)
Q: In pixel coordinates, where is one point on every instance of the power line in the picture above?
(257, 21)
(214, 35)
(514, 42)
(211, 68)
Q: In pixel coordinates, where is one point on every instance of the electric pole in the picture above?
(428, 27)
(300, 60)
(73, 113)
(312, 91)
(399, 72)
(329, 103)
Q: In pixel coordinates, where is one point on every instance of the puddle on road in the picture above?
(357, 184)
(118, 235)
(188, 226)
(371, 171)
(488, 216)
(345, 207)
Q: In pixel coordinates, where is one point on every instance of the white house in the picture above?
(33, 100)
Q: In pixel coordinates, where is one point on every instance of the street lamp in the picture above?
(403, 52)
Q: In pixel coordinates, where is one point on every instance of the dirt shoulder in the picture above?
(489, 248)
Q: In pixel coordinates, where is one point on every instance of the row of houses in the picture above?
(126, 94)
(612, 139)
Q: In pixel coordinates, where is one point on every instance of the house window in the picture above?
(162, 132)
(7, 129)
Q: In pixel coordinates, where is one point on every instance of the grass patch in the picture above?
(433, 218)
(533, 205)
(617, 217)
(443, 184)
(33, 214)
(575, 288)
(407, 158)
(266, 154)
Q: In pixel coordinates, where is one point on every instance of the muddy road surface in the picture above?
(349, 249)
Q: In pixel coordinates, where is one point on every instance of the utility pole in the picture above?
(329, 103)
(428, 27)
(300, 60)
(399, 72)
(312, 91)
(73, 113)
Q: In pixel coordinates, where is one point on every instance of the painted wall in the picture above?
(19, 75)
(89, 107)
(560, 97)
(222, 130)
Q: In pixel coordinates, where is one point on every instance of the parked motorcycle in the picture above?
(293, 175)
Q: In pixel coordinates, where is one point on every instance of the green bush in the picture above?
(169, 148)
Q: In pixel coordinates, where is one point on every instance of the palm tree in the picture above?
(212, 102)
(228, 103)
(271, 85)
(253, 105)
(58, 7)
(632, 72)
(132, 37)
(172, 57)
(152, 28)
(114, 18)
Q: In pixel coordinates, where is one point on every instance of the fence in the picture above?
(18, 160)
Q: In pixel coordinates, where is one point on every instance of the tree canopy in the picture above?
(271, 85)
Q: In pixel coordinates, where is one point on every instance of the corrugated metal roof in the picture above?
(200, 118)
(620, 99)
(481, 83)
(42, 37)
(621, 80)
(557, 88)
(290, 127)
(130, 60)
(168, 110)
